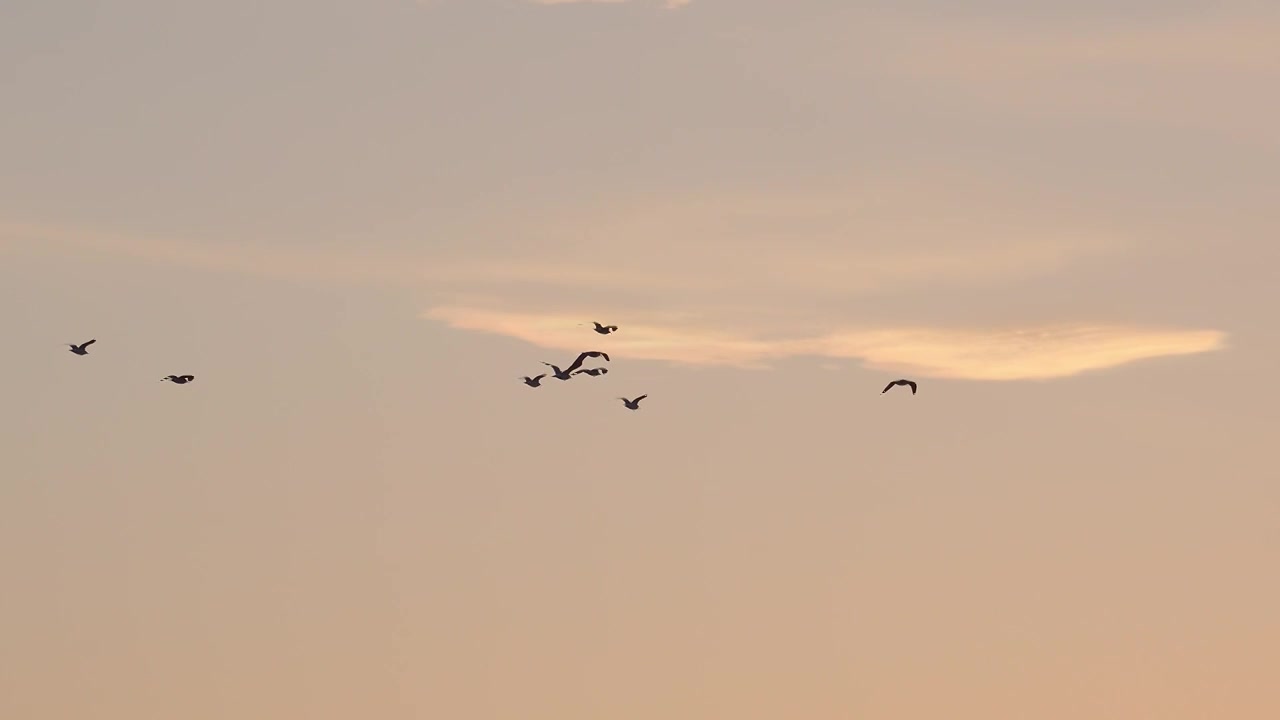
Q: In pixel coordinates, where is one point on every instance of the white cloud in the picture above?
(1024, 353)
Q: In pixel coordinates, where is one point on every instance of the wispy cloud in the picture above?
(1028, 353)
(745, 279)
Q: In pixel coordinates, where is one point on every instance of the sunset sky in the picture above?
(359, 222)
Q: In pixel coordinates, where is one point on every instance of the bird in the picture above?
(583, 356)
(82, 349)
(593, 372)
(633, 404)
(535, 381)
(568, 372)
(604, 329)
(557, 373)
(179, 379)
(908, 383)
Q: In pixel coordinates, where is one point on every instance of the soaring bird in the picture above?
(908, 383)
(633, 404)
(568, 372)
(604, 329)
(534, 381)
(593, 372)
(179, 379)
(583, 356)
(81, 349)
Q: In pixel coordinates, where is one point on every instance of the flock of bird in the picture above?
(575, 368)
(83, 349)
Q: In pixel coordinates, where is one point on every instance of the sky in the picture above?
(359, 223)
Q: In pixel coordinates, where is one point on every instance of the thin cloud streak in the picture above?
(1036, 353)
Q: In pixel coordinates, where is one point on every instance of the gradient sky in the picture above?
(358, 222)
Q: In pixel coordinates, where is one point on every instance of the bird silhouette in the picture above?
(593, 372)
(535, 381)
(604, 329)
(568, 372)
(179, 379)
(557, 373)
(82, 349)
(633, 404)
(588, 354)
(908, 383)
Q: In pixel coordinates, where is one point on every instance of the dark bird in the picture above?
(179, 379)
(588, 354)
(568, 372)
(81, 349)
(633, 404)
(908, 383)
(557, 373)
(593, 372)
(535, 381)
(604, 329)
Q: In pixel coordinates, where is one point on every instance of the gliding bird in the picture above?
(604, 329)
(179, 379)
(908, 383)
(633, 404)
(568, 372)
(535, 381)
(81, 349)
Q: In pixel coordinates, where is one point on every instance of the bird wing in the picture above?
(598, 325)
(578, 363)
(912, 385)
(637, 400)
(887, 387)
(535, 378)
(88, 343)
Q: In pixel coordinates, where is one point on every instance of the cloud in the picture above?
(682, 249)
(747, 279)
(263, 259)
(1028, 353)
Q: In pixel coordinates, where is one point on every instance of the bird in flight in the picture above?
(82, 349)
(535, 381)
(593, 372)
(908, 383)
(179, 379)
(633, 404)
(568, 372)
(604, 329)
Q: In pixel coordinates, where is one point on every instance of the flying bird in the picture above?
(593, 372)
(908, 383)
(568, 372)
(82, 349)
(535, 381)
(604, 329)
(583, 356)
(179, 379)
(557, 373)
(633, 404)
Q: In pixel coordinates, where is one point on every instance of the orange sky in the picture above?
(358, 224)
